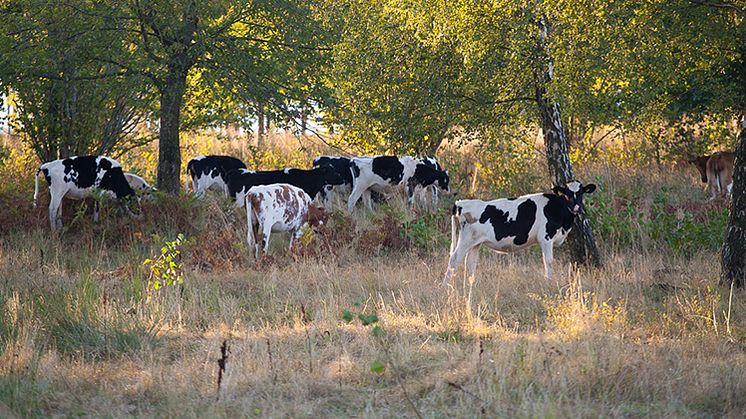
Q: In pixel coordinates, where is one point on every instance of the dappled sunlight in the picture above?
(81, 327)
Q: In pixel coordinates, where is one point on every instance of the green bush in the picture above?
(682, 226)
(426, 232)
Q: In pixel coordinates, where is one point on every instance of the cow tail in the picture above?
(454, 227)
(36, 186)
(250, 239)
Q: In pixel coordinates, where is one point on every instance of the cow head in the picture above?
(329, 176)
(443, 181)
(317, 217)
(701, 164)
(573, 194)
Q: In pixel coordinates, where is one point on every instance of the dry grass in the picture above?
(642, 336)
(649, 334)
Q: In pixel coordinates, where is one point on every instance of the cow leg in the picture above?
(367, 199)
(456, 259)
(55, 210)
(326, 197)
(266, 231)
(95, 211)
(200, 188)
(712, 186)
(410, 194)
(472, 257)
(547, 254)
(257, 245)
(357, 192)
(294, 236)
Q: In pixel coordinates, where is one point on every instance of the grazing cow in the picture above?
(138, 184)
(278, 207)
(313, 182)
(701, 164)
(507, 225)
(428, 175)
(342, 166)
(210, 172)
(720, 173)
(77, 178)
(383, 172)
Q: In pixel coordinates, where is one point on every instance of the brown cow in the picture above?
(720, 173)
(701, 164)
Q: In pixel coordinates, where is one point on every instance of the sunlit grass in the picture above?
(651, 333)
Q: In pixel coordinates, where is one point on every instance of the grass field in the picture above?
(651, 333)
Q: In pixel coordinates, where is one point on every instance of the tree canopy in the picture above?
(392, 76)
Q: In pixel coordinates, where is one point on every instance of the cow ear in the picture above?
(589, 188)
(559, 190)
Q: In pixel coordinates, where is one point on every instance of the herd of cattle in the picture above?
(282, 200)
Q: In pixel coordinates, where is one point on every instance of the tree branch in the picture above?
(728, 6)
(104, 75)
(272, 42)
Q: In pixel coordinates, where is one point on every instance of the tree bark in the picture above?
(261, 129)
(169, 151)
(582, 242)
(303, 117)
(733, 268)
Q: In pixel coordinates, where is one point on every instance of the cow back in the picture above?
(280, 203)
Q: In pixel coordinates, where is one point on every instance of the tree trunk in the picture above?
(303, 119)
(261, 129)
(733, 267)
(583, 247)
(169, 152)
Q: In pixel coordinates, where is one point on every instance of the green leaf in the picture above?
(369, 319)
(377, 330)
(377, 367)
(346, 316)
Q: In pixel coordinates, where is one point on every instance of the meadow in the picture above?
(360, 325)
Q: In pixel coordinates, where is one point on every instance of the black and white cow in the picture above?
(384, 172)
(433, 163)
(428, 175)
(313, 182)
(507, 225)
(210, 172)
(76, 178)
(138, 184)
(342, 165)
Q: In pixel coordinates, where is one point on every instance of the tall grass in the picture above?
(651, 333)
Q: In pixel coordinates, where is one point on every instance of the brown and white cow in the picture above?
(720, 173)
(279, 207)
